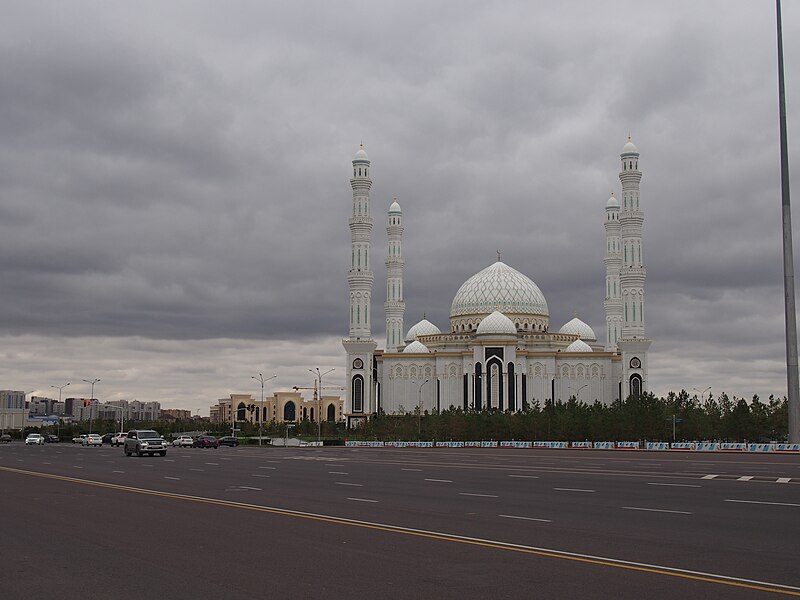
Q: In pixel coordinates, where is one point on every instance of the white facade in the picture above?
(499, 352)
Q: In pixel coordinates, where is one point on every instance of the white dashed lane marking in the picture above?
(708, 476)
(258, 475)
(213, 464)
(783, 480)
(525, 518)
(478, 495)
(440, 480)
(417, 470)
(762, 502)
(174, 478)
(337, 473)
(525, 476)
(362, 500)
(352, 484)
(660, 510)
(573, 490)
(689, 485)
(273, 468)
(744, 478)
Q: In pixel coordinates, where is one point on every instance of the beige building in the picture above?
(288, 406)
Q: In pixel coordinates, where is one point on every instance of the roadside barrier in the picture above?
(734, 446)
(604, 445)
(628, 445)
(657, 446)
(760, 447)
(581, 445)
(787, 447)
(515, 444)
(707, 446)
(449, 444)
(683, 446)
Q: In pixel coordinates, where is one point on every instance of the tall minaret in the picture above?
(633, 345)
(613, 262)
(633, 272)
(359, 345)
(394, 306)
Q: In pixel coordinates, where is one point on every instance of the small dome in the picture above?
(395, 207)
(416, 347)
(578, 346)
(579, 328)
(424, 327)
(361, 155)
(612, 202)
(630, 147)
(496, 324)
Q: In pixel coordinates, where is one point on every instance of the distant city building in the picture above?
(179, 414)
(12, 399)
(12, 409)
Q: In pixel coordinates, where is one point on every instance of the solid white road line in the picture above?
(478, 495)
(779, 480)
(708, 477)
(352, 484)
(762, 502)
(661, 510)
(337, 473)
(525, 476)
(174, 478)
(362, 500)
(572, 490)
(258, 475)
(272, 468)
(440, 480)
(691, 485)
(418, 470)
(525, 518)
(745, 478)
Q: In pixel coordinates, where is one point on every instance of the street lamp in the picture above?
(319, 400)
(261, 411)
(703, 392)
(92, 382)
(60, 387)
(419, 407)
(578, 393)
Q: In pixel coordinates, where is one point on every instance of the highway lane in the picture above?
(593, 503)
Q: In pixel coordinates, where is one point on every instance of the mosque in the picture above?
(499, 351)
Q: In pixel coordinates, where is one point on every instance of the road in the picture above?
(397, 523)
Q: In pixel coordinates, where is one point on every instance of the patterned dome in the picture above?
(578, 346)
(424, 327)
(498, 324)
(579, 328)
(501, 288)
(416, 347)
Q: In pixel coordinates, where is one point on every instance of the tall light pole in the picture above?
(419, 407)
(92, 382)
(792, 380)
(261, 410)
(319, 400)
(578, 393)
(60, 387)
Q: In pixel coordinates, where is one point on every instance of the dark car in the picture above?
(228, 441)
(5, 438)
(50, 439)
(108, 438)
(205, 441)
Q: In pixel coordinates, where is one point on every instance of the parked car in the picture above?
(34, 438)
(229, 440)
(183, 441)
(206, 441)
(119, 439)
(51, 439)
(92, 439)
(107, 437)
(5, 438)
(144, 441)
(79, 439)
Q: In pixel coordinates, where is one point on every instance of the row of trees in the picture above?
(647, 417)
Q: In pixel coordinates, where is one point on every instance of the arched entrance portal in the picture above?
(289, 411)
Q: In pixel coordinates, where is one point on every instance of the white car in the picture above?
(92, 440)
(183, 441)
(34, 438)
(119, 439)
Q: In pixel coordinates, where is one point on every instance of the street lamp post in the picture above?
(703, 392)
(419, 407)
(261, 379)
(319, 400)
(60, 387)
(92, 382)
(578, 393)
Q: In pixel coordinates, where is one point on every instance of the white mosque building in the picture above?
(499, 351)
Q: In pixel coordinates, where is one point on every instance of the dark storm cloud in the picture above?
(174, 176)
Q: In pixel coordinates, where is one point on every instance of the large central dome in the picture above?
(499, 287)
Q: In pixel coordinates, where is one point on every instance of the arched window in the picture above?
(331, 413)
(636, 385)
(289, 411)
(357, 394)
(240, 412)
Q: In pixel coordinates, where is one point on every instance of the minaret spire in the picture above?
(395, 306)
(613, 262)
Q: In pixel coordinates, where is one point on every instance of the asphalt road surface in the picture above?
(397, 523)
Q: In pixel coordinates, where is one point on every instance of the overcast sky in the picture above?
(174, 180)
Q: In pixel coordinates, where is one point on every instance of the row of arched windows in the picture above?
(357, 172)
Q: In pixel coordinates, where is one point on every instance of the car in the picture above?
(229, 440)
(51, 439)
(119, 439)
(92, 439)
(5, 438)
(34, 438)
(206, 441)
(79, 439)
(144, 441)
(107, 437)
(183, 441)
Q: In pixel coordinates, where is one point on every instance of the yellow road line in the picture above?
(643, 568)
